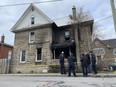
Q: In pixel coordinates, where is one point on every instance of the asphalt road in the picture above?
(34, 81)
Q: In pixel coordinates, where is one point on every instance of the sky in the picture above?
(99, 9)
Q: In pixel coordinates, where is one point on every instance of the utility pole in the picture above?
(113, 12)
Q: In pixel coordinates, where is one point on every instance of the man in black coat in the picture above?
(93, 60)
(71, 65)
(61, 60)
(88, 62)
(84, 64)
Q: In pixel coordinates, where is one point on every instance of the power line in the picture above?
(30, 3)
(104, 18)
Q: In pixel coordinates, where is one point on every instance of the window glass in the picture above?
(32, 36)
(114, 51)
(22, 56)
(38, 54)
(32, 20)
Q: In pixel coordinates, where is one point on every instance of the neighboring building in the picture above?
(40, 40)
(6, 50)
(105, 50)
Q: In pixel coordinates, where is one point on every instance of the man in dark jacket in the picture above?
(93, 60)
(84, 64)
(61, 60)
(71, 65)
(88, 62)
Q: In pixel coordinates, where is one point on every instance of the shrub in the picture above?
(54, 68)
(19, 72)
(31, 71)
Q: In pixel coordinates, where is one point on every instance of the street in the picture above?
(35, 81)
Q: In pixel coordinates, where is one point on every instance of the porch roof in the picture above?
(62, 45)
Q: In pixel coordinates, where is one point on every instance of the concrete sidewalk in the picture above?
(109, 74)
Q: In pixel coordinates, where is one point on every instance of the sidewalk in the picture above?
(109, 74)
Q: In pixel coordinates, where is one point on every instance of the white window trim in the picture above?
(31, 20)
(36, 57)
(113, 51)
(98, 49)
(29, 37)
(21, 56)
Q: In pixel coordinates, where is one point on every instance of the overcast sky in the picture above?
(99, 9)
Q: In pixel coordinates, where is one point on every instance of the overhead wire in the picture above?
(46, 2)
(29, 3)
(103, 18)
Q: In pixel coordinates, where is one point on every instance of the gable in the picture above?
(97, 43)
(25, 21)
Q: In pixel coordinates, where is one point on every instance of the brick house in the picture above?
(105, 50)
(39, 40)
(6, 50)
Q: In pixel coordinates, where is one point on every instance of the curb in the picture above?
(59, 75)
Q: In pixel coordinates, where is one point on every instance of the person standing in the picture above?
(93, 60)
(71, 65)
(88, 62)
(84, 64)
(61, 60)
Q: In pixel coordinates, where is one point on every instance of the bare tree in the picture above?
(97, 32)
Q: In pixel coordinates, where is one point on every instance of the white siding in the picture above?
(39, 20)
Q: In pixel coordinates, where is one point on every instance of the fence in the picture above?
(4, 66)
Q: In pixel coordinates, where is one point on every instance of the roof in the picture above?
(62, 21)
(110, 42)
(25, 14)
(5, 44)
(67, 20)
(59, 22)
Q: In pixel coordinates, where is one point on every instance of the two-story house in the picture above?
(39, 40)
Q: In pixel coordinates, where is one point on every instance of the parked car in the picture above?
(112, 67)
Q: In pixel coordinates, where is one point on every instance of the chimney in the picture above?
(74, 12)
(2, 38)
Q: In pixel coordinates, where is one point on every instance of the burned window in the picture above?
(38, 56)
(22, 56)
(31, 37)
(67, 35)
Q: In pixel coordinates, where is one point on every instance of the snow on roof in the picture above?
(67, 21)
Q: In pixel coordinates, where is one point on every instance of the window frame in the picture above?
(97, 49)
(32, 20)
(113, 51)
(21, 56)
(37, 55)
(30, 37)
(67, 34)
